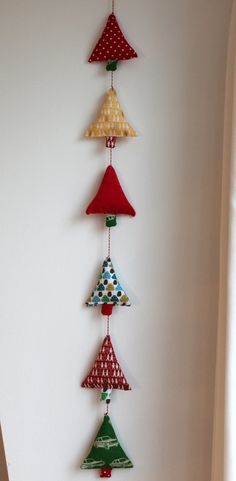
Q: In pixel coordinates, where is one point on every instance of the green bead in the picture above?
(103, 396)
(111, 65)
(111, 220)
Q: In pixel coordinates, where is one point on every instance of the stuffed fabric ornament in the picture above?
(106, 452)
(112, 45)
(110, 198)
(106, 372)
(108, 291)
(111, 121)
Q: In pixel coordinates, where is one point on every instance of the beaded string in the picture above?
(112, 80)
(110, 156)
(109, 229)
(110, 160)
(107, 410)
(112, 72)
(110, 153)
(109, 242)
(108, 332)
(108, 325)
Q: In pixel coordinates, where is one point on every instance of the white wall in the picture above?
(167, 256)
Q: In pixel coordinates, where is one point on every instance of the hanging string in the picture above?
(112, 80)
(108, 325)
(112, 71)
(110, 156)
(109, 229)
(107, 410)
(109, 242)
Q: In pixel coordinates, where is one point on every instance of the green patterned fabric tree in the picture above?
(106, 452)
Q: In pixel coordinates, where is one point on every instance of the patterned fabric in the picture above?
(112, 45)
(110, 198)
(111, 221)
(106, 451)
(106, 372)
(111, 121)
(108, 289)
(106, 395)
(111, 142)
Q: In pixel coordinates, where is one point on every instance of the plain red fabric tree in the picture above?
(110, 198)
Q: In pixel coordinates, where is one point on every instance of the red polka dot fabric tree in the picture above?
(110, 200)
(112, 45)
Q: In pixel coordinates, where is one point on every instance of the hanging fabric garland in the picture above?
(110, 200)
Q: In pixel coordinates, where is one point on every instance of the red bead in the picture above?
(105, 473)
(107, 309)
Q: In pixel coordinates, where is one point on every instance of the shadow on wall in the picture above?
(3, 464)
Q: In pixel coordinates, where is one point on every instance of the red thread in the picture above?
(111, 156)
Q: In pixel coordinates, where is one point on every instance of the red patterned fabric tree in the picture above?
(106, 372)
(112, 45)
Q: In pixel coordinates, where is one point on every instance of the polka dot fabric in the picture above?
(106, 372)
(108, 289)
(112, 45)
